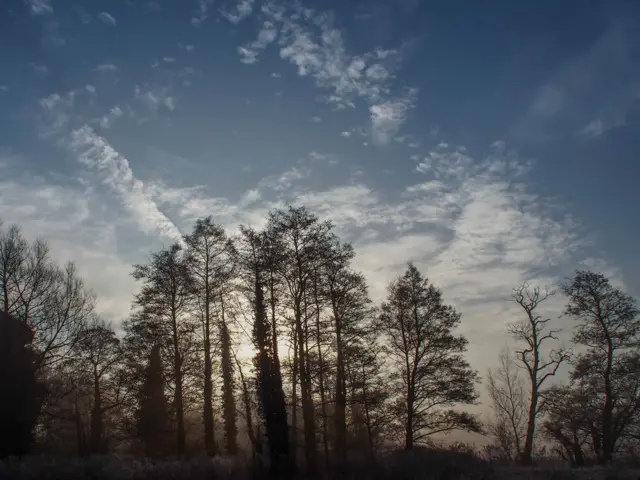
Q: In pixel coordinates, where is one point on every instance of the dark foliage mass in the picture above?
(263, 349)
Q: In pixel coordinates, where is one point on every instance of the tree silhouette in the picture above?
(608, 325)
(429, 357)
(152, 415)
(350, 309)
(210, 258)
(230, 414)
(569, 422)
(303, 243)
(21, 392)
(533, 333)
(510, 411)
(164, 302)
(271, 399)
(99, 349)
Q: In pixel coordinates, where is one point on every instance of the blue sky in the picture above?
(490, 143)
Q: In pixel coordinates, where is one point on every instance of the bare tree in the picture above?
(303, 243)
(255, 259)
(350, 310)
(99, 349)
(53, 301)
(509, 404)
(210, 257)
(569, 422)
(608, 325)
(533, 333)
(429, 357)
(164, 303)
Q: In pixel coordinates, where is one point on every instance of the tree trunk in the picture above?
(81, 441)
(209, 433)
(246, 398)
(96, 417)
(294, 403)
(229, 402)
(323, 406)
(307, 400)
(178, 394)
(340, 419)
(367, 412)
(525, 457)
(408, 440)
(607, 410)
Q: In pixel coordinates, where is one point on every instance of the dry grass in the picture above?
(421, 465)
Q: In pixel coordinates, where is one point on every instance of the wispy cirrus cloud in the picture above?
(594, 128)
(95, 153)
(105, 67)
(39, 7)
(107, 19)
(472, 224)
(107, 120)
(201, 13)
(387, 117)
(250, 52)
(71, 218)
(592, 92)
(155, 98)
(316, 48)
(240, 10)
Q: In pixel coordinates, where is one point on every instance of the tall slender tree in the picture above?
(304, 243)
(429, 357)
(533, 335)
(164, 304)
(230, 414)
(271, 400)
(210, 257)
(350, 309)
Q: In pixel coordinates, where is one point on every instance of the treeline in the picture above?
(267, 344)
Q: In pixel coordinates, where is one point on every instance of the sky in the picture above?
(491, 143)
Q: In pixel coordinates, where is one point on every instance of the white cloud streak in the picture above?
(107, 19)
(39, 7)
(95, 153)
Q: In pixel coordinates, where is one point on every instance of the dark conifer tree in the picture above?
(153, 412)
(22, 394)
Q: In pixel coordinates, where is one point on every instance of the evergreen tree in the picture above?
(22, 394)
(270, 392)
(153, 412)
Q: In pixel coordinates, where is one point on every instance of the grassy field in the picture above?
(400, 467)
